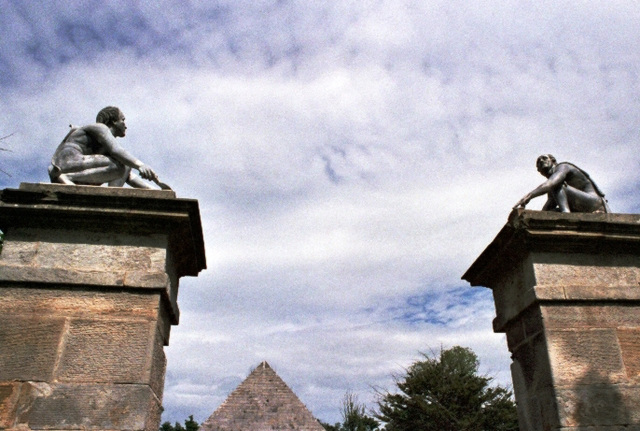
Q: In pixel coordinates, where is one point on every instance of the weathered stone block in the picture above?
(158, 367)
(532, 321)
(584, 357)
(147, 279)
(9, 393)
(106, 351)
(597, 292)
(97, 407)
(521, 330)
(532, 384)
(56, 301)
(598, 405)
(18, 252)
(508, 304)
(581, 269)
(549, 292)
(516, 335)
(85, 250)
(569, 315)
(629, 339)
(533, 360)
(60, 276)
(28, 347)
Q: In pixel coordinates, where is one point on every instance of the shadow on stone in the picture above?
(594, 402)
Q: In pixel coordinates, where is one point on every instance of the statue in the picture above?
(90, 155)
(568, 188)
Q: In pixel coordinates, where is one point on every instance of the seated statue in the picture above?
(90, 155)
(568, 188)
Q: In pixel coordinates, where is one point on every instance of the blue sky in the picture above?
(351, 160)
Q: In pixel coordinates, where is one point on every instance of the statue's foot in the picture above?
(64, 179)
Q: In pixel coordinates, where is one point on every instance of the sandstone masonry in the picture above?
(567, 295)
(88, 293)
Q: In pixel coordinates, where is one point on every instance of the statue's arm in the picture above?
(554, 181)
(113, 149)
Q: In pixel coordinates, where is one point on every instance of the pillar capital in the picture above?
(550, 256)
(100, 236)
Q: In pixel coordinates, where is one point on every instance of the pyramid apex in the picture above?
(264, 364)
(262, 402)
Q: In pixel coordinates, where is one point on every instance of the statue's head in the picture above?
(113, 118)
(108, 115)
(545, 164)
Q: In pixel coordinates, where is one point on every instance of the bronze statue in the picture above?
(90, 155)
(568, 188)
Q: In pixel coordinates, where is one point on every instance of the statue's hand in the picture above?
(523, 202)
(147, 173)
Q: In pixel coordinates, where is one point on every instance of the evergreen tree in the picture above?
(329, 427)
(189, 425)
(354, 417)
(446, 393)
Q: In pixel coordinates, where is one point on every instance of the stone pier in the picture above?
(88, 293)
(567, 295)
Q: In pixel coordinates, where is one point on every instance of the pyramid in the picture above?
(262, 402)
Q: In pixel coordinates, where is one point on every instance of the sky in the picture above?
(351, 160)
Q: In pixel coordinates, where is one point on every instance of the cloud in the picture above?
(319, 373)
(351, 159)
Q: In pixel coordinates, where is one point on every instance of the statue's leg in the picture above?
(64, 179)
(56, 176)
(119, 182)
(561, 198)
(580, 201)
(101, 169)
(550, 204)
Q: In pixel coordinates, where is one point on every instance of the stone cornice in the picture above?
(105, 209)
(547, 231)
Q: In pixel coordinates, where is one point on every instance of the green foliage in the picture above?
(329, 427)
(189, 425)
(446, 393)
(354, 417)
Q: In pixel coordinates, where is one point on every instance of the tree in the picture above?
(189, 425)
(354, 417)
(166, 426)
(329, 427)
(445, 393)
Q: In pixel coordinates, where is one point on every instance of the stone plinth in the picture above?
(567, 295)
(88, 293)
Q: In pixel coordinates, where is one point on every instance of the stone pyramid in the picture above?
(262, 402)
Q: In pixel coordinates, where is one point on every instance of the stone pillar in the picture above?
(88, 289)
(567, 295)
